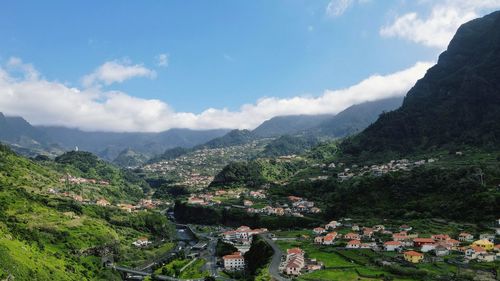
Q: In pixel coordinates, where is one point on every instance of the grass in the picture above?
(325, 254)
(335, 274)
(292, 233)
(194, 270)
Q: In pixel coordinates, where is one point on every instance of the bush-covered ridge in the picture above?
(48, 237)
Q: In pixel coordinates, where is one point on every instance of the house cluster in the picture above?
(297, 208)
(205, 199)
(442, 245)
(241, 235)
(377, 170)
(407, 242)
(197, 169)
(77, 180)
(258, 194)
(295, 263)
(326, 236)
(234, 261)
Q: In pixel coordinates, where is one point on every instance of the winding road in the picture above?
(276, 260)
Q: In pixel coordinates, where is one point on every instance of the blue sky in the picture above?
(221, 54)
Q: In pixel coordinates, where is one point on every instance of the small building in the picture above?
(141, 242)
(247, 203)
(295, 261)
(487, 236)
(440, 251)
(392, 246)
(329, 238)
(102, 202)
(465, 237)
(352, 236)
(486, 257)
(440, 237)
(485, 244)
(234, 262)
(405, 227)
(318, 239)
(319, 230)
(353, 244)
(472, 252)
(428, 247)
(419, 242)
(332, 225)
(413, 257)
(367, 232)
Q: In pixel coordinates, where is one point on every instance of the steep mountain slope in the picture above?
(456, 104)
(347, 122)
(355, 118)
(23, 137)
(289, 125)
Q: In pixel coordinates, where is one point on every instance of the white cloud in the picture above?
(438, 27)
(336, 8)
(45, 102)
(116, 72)
(162, 60)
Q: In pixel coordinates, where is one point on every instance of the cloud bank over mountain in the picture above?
(24, 92)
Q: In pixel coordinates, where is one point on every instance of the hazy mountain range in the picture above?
(31, 140)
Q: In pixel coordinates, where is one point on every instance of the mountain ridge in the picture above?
(455, 105)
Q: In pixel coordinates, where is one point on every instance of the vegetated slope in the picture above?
(48, 237)
(257, 172)
(449, 190)
(128, 158)
(355, 118)
(289, 125)
(456, 104)
(122, 185)
(289, 145)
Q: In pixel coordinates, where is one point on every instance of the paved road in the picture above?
(276, 260)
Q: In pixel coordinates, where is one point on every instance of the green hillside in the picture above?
(49, 237)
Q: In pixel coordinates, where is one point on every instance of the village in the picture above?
(399, 245)
(198, 168)
(253, 202)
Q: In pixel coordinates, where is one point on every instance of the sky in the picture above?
(154, 65)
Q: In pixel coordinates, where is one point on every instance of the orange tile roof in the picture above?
(413, 254)
(423, 240)
(295, 251)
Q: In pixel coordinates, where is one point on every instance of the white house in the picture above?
(428, 247)
(392, 246)
(234, 261)
(465, 237)
(141, 242)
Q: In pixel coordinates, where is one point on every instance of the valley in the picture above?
(391, 188)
